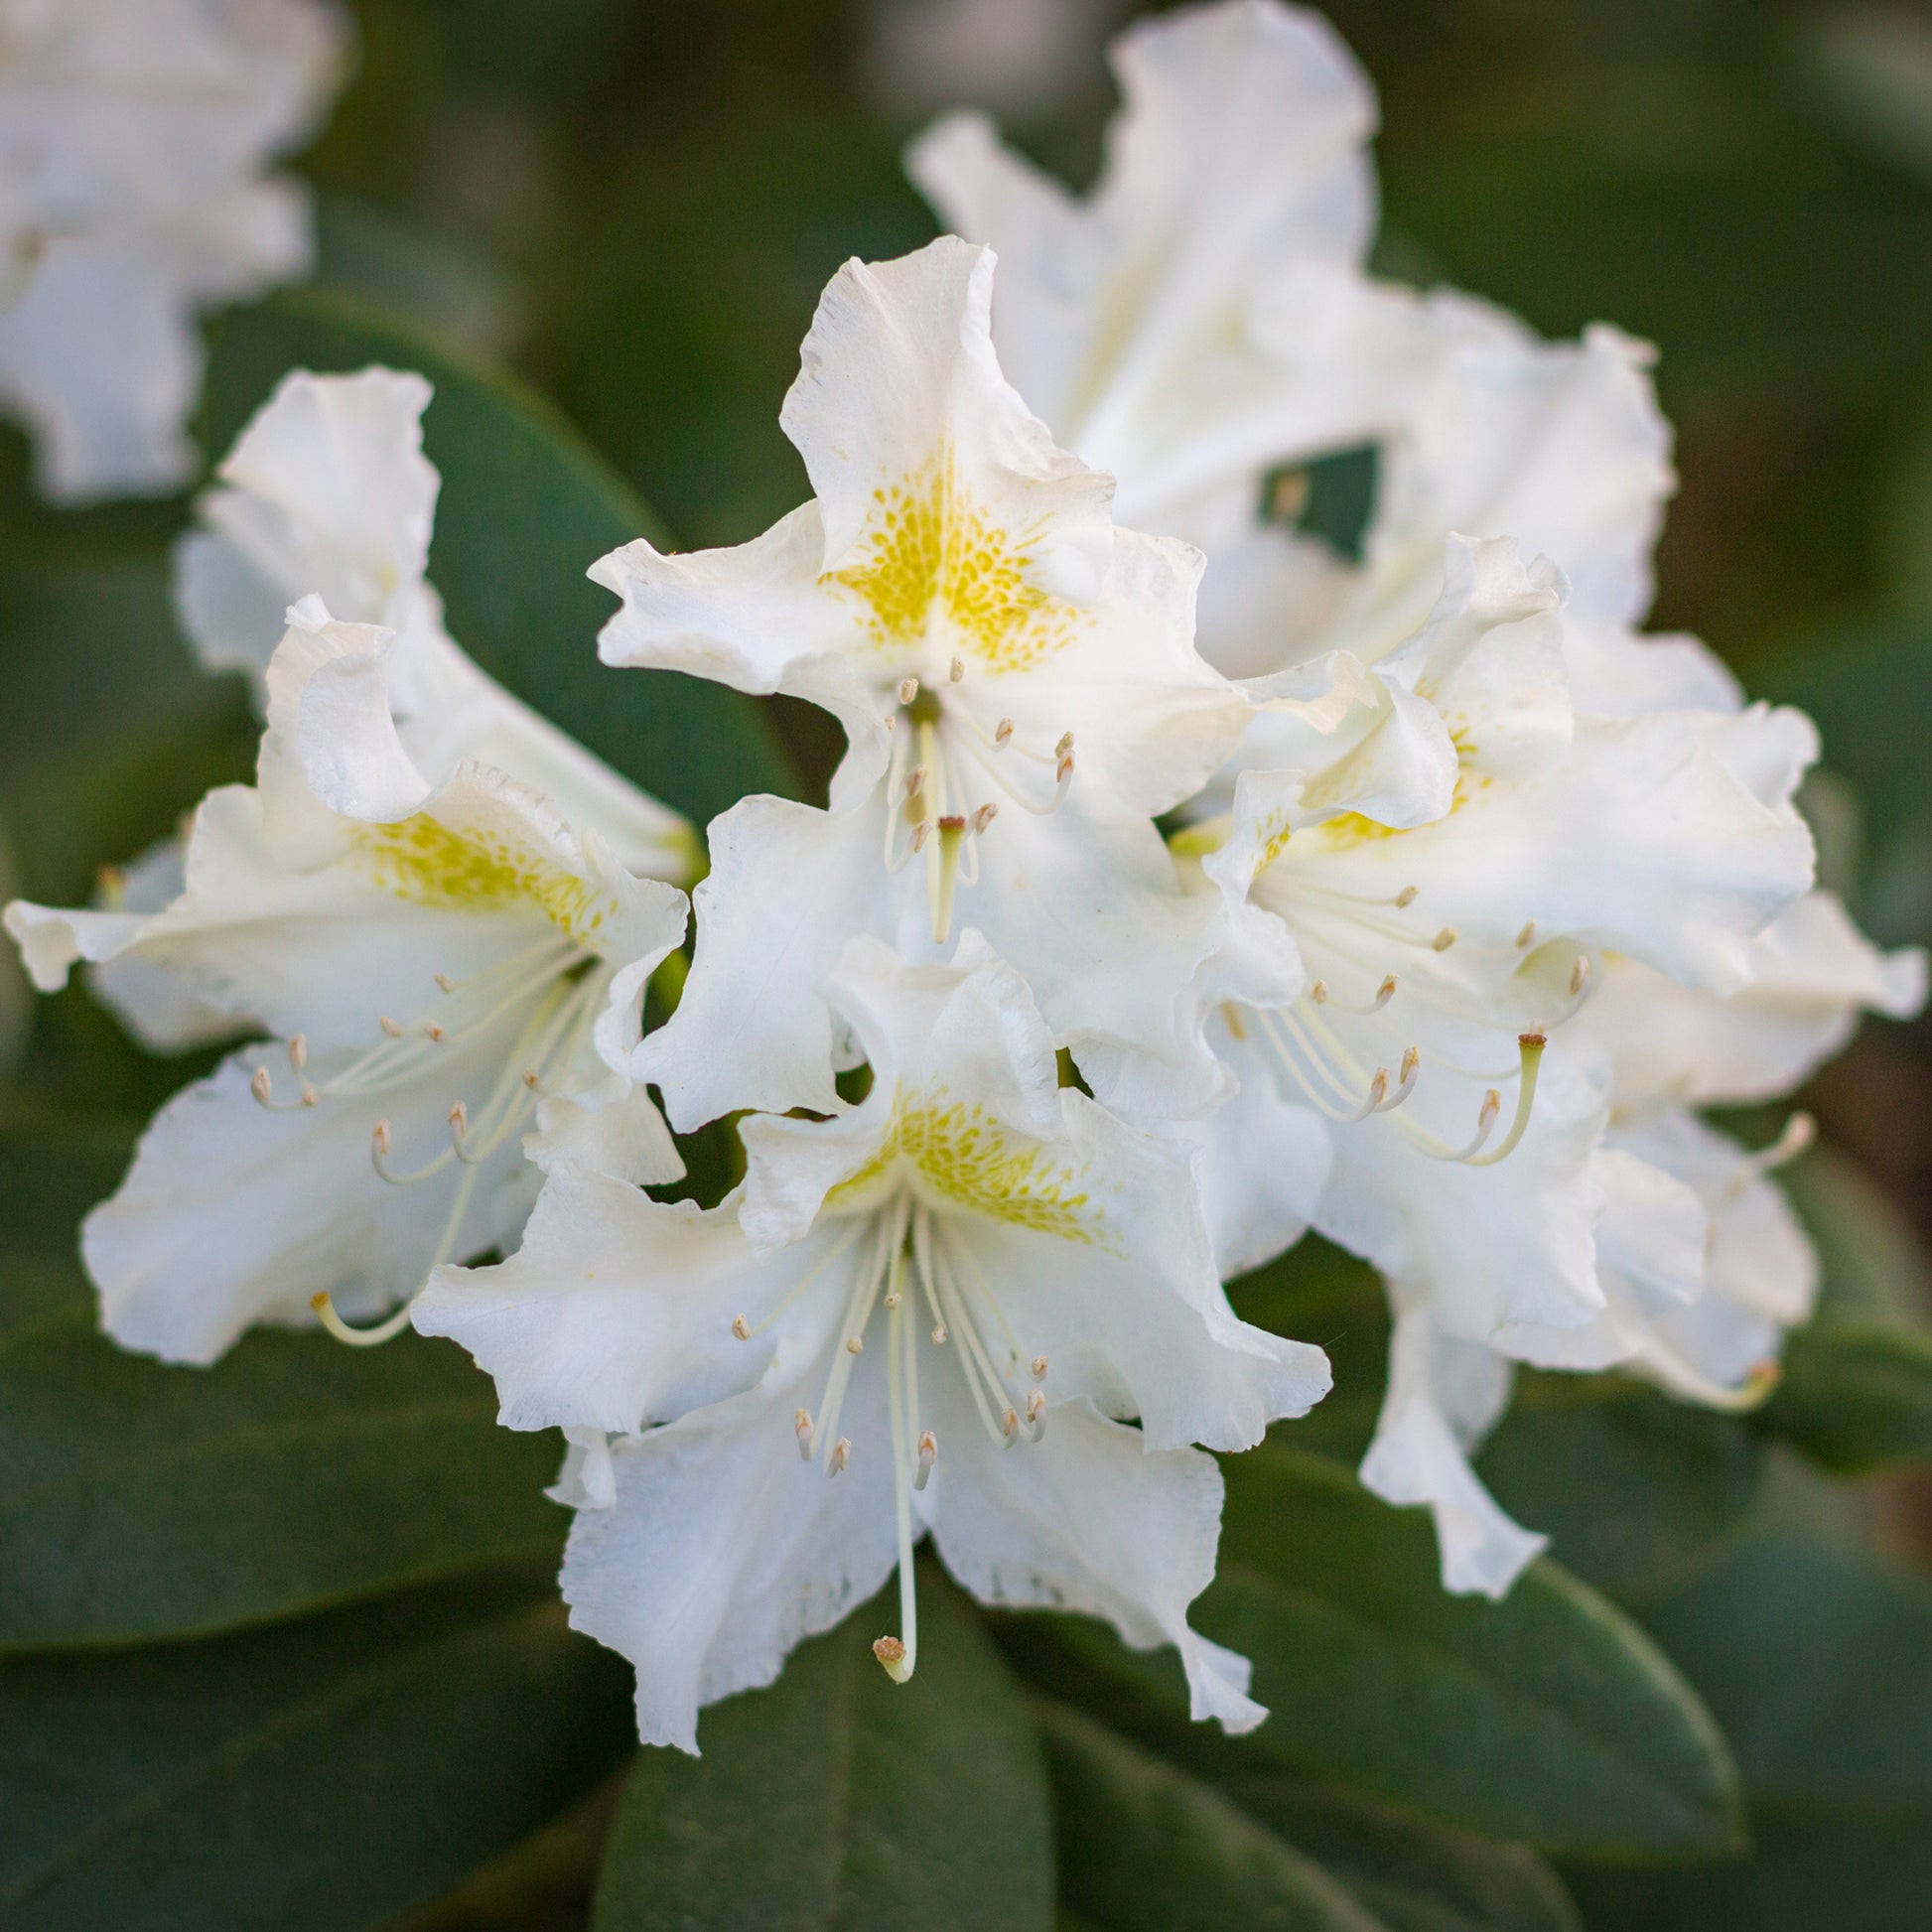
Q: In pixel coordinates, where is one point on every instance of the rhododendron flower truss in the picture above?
(326, 492)
(923, 1315)
(1017, 679)
(438, 963)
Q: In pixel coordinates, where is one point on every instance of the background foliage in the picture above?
(279, 1642)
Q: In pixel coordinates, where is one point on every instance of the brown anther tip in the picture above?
(458, 1114)
(1064, 771)
(379, 1133)
(1318, 993)
(1009, 1421)
(1002, 732)
(319, 1302)
(1527, 937)
(920, 833)
(743, 1331)
(1534, 1041)
(985, 816)
(1064, 749)
(533, 1082)
(446, 982)
(888, 1651)
(436, 1032)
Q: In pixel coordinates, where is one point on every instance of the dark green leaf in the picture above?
(1875, 1265)
(836, 1799)
(140, 1502)
(1413, 1876)
(1632, 1487)
(1145, 1847)
(316, 1777)
(1548, 1717)
(527, 509)
(1855, 1394)
(1820, 1665)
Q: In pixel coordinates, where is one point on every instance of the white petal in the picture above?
(1089, 1519)
(898, 367)
(231, 1215)
(724, 1550)
(615, 1313)
(1443, 1396)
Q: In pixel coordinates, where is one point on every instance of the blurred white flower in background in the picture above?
(1023, 58)
(135, 137)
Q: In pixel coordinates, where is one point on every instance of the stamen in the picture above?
(957, 671)
(916, 794)
(1001, 733)
(985, 816)
(299, 1051)
(458, 1118)
(891, 1653)
(384, 1330)
(388, 1026)
(1010, 1423)
(1064, 749)
(1443, 940)
(1408, 896)
(855, 1344)
(801, 1424)
(1580, 978)
(262, 1087)
(742, 1329)
(1062, 776)
(928, 1456)
(446, 982)
(891, 1301)
(1040, 1368)
(1531, 1046)
(839, 1457)
(939, 1334)
(1037, 1414)
(920, 833)
(952, 833)
(1799, 1133)
(436, 1032)
(1527, 937)
(1318, 993)
(909, 689)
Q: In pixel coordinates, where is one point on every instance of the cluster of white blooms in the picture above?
(1412, 897)
(133, 135)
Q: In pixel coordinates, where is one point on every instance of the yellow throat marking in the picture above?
(966, 1157)
(928, 549)
(422, 860)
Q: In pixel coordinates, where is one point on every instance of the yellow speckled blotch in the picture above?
(966, 1157)
(424, 860)
(928, 550)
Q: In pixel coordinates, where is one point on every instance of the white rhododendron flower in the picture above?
(326, 492)
(440, 962)
(134, 138)
(958, 597)
(925, 1314)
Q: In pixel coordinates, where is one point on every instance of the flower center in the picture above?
(911, 1255)
(945, 763)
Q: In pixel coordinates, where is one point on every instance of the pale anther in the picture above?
(958, 669)
(985, 816)
(855, 1345)
(436, 1032)
(909, 689)
(892, 1302)
(743, 1331)
(1527, 937)
(1040, 1368)
(1580, 977)
(1411, 1060)
(1443, 940)
(1318, 993)
(1036, 1409)
(1010, 1423)
(928, 1456)
(261, 1086)
(920, 833)
(533, 1082)
(801, 1424)
(446, 982)
(1064, 749)
(390, 1026)
(379, 1136)
(459, 1119)
(299, 1051)
(841, 1456)
(1407, 896)
(1002, 734)
(940, 1333)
